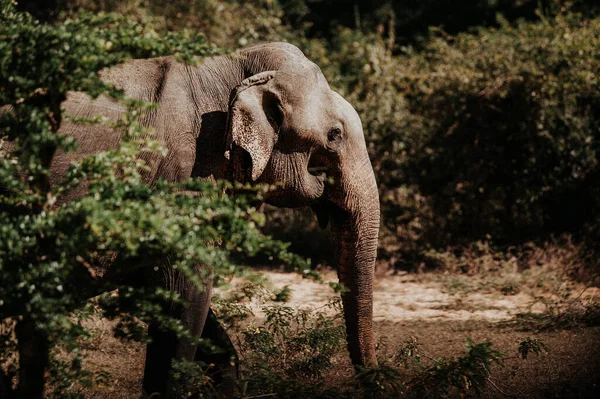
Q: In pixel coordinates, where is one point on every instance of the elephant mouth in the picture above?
(306, 189)
(321, 205)
(310, 190)
(320, 172)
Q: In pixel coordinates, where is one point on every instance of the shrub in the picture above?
(486, 135)
(508, 118)
(450, 378)
(229, 24)
(50, 249)
(289, 353)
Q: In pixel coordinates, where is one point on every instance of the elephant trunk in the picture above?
(355, 231)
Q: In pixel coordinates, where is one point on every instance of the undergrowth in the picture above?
(288, 352)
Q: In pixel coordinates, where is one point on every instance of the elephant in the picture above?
(265, 114)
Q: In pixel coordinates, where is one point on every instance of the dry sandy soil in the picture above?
(424, 307)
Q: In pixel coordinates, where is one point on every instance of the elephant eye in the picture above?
(334, 135)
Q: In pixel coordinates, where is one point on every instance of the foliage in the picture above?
(52, 249)
(294, 342)
(290, 347)
(381, 382)
(229, 24)
(486, 135)
(455, 377)
(508, 177)
(531, 345)
(562, 310)
(193, 380)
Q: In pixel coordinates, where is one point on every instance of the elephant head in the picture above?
(285, 122)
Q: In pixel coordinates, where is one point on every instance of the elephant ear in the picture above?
(254, 118)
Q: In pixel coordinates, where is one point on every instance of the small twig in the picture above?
(423, 354)
(489, 379)
(260, 396)
(581, 293)
(498, 389)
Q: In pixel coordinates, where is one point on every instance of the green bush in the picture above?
(508, 120)
(451, 378)
(51, 250)
(229, 24)
(490, 135)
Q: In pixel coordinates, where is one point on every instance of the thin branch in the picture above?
(260, 396)
(489, 379)
(498, 389)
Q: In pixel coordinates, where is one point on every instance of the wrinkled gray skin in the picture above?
(265, 114)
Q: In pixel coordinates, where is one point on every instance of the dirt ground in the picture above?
(425, 307)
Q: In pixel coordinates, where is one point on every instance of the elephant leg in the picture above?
(33, 359)
(165, 346)
(223, 359)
